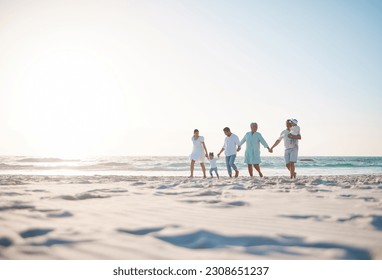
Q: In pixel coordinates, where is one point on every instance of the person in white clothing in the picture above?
(199, 152)
(291, 148)
(229, 148)
(213, 164)
(294, 130)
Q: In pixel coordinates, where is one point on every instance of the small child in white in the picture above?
(294, 130)
(213, 164)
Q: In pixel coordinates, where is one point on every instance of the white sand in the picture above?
(111, 217)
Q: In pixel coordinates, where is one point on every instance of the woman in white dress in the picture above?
(199, 152)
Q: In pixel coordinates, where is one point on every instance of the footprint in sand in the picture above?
(376, 220)
(62, 214)
(323, 182)
(35, 232)
(109, 190)
(207, 193)
(172, 193)
(318, 218)
(239, 187)
(5, 242)
(203, 239)
(37, 191)
(17, 205)
(82, 196)
(217, 203)
(369, 199)
(138, 183)
(351, 218)
(12, 194)
(52, 242)
(145, 231)
(346, 196)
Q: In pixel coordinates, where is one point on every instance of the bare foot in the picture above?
(294, 175)
(236, 173)
(191, 176)
(261, 174)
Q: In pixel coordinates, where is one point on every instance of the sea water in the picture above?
(180, 166)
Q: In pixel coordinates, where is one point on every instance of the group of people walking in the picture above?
(232, 144)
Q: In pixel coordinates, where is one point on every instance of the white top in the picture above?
(197, 149)
(213, 162)
(295, 130)
(230, 144)
(288, 142)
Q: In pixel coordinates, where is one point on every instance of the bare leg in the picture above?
(192, 168)
(236, 173)
(250, 170)
(257, 167)
(292, 168)
(204, 170)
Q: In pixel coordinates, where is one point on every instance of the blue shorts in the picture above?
(290, 155)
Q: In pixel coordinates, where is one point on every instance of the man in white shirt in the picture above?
(229, 148)
(291, 147)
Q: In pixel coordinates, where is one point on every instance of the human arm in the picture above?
(205, 148)
(223, 148)
(281, 137)
(221, 151)
(295, 137)
(263, 142)
(274, 145)
(241, 143)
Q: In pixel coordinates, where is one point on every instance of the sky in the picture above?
(98, 78)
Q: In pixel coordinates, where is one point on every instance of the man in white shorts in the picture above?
(291, 148)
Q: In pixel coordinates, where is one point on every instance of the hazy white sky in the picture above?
(113, 77)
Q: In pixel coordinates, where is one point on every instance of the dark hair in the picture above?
(196, 130)
(211, 154)
(288, 122)
(226, 129)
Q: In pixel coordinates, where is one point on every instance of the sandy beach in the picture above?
(127, 217)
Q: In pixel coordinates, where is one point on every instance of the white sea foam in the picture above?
(179, 166)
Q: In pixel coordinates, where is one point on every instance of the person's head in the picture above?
(227, 131)
(294, 122)
(288, 123)
(196, 132)
(253, 127)
(211, 155)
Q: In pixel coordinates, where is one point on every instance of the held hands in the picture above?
(238, 149)
(270, 150)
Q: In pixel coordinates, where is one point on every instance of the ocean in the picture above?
(179, 166)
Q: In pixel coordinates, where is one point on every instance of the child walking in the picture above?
(213, 165)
